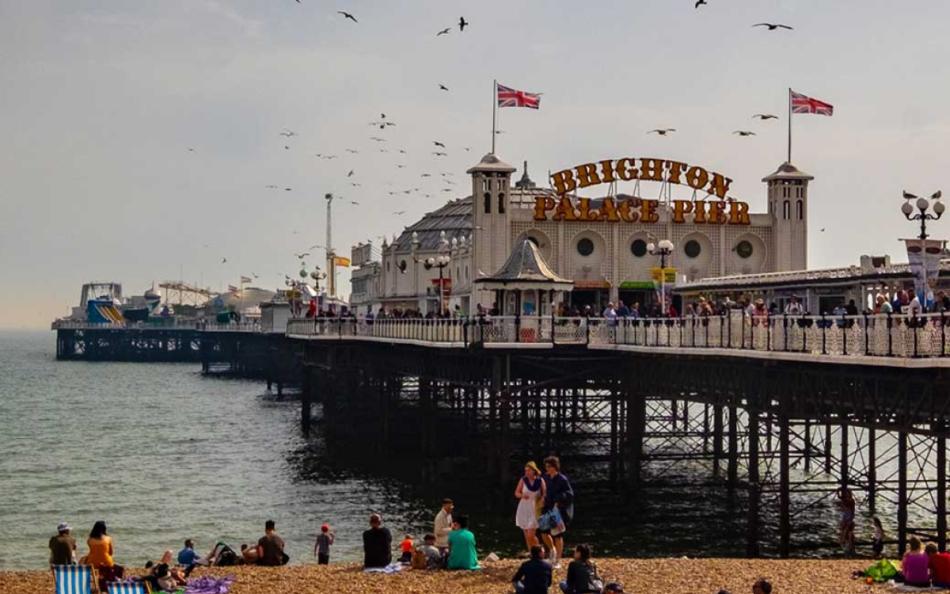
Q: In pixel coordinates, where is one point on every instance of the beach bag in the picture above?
(419, 560)
(881, 571)
(551, 521)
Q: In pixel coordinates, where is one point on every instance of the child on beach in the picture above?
(321, 549)
(878, 542)
(406, 547)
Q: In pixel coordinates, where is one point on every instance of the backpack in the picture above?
(419, 560)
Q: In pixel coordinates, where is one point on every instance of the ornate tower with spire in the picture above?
(491, 239)
(788, 207)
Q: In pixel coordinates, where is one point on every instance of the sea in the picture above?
(162, 453)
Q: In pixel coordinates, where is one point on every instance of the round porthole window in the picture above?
(585, 247)
(692, 248)
(638, 248)
(744, 249)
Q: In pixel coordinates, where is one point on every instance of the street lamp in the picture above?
(439, 261)
(923, 204)
(662, 248)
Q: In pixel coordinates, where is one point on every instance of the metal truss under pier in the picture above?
(784, 434)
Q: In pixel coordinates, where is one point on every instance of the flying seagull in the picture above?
(347, 15)
(437, 143)
(288, 189)
(224, 260)
(286, 148)
(462, 23)
(765, 116)
(445, 31)
(350, 174)
(438, 154)
(700, 3)
(744, 132)
(191, 150)
(426, 175)
(354, 203)
(354, 151)
(400, 166)
(662, 131)
(443, 87)
(271, 187)
(399, 212)
(302, 256)
(402, 151)
(772, 26)
(377, 139)
(288, 133)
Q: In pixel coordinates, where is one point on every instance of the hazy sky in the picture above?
(100, 102)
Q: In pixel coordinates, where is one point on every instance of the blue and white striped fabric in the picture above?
(126, 588)
(73, 579)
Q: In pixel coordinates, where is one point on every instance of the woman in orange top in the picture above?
(100, 547)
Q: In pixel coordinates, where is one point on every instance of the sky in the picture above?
(137, 139)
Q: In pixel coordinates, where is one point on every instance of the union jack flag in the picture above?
(508, 97)
(804, 104)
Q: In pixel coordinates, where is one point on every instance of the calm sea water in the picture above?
(162, 453)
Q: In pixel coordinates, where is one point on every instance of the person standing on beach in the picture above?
(530, 495)
(846, 507)
(270, 547)
(321, 549)
(443, 526)
(62, 547)
(560, 495)
(377, 544)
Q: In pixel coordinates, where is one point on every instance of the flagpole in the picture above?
(789, 125)
(494, 112)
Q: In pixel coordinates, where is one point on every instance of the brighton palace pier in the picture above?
(599, 243)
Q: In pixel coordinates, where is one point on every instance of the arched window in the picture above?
(800, 208)
(488, 203)
(501, 204)
(786, 210)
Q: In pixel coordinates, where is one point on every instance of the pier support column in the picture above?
(872, 471)
(941, 445)
(732, 470)
(636, 427)
(785, 520)
(806, 445)
(843, 467)
(901, 493)
(717, 440)
(827, 448)
(752, 539)
(614, 435)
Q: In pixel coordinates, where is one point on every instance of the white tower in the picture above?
(788, 207)
(491, 237)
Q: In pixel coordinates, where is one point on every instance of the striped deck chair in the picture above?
(73, 579)
(127, 588)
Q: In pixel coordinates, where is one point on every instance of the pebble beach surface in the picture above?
(639, 576)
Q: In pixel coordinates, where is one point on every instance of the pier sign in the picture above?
(719, 211)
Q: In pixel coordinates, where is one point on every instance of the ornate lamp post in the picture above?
(662, 248)
(923, 205)
(439, 261)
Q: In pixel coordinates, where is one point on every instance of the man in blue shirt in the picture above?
(187, 557)
(534, 575)
(560, 495)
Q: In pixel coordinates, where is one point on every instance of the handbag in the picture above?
(550, 520)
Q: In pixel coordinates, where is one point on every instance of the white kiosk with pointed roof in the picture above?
(526, 285)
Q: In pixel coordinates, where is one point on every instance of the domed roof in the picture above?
(491, 163)
(787, 171)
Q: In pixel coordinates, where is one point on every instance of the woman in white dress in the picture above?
(530, 496)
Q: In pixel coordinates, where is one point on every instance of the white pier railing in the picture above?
(891, 335)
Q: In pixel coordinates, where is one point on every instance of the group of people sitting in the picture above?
(924, 565)
(171, 571)
(535, 575)
(455, 551)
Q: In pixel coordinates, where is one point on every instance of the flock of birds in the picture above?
(439, 150)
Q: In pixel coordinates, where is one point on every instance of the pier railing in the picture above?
(890, 335)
